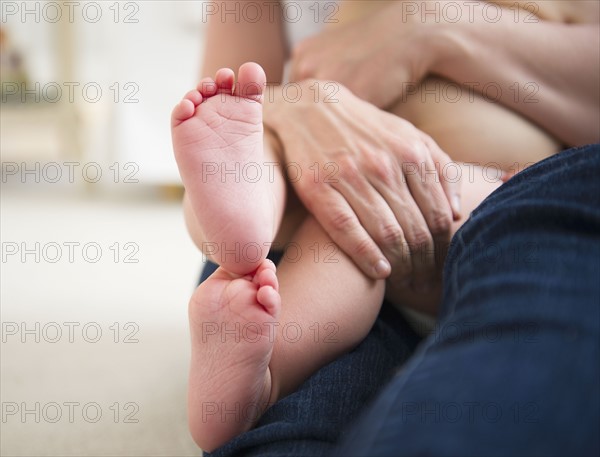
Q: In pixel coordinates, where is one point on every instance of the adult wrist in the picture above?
(452, 45)
(277, 98)
(424, 37)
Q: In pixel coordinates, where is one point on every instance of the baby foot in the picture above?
(218, 144)
(232, 323)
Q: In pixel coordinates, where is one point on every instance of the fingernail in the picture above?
(456, 204)
(382, 268)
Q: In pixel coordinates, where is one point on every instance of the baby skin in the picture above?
(230, 380)
(218, 142)
(244, 356)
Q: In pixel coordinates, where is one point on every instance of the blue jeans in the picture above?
(513, 366)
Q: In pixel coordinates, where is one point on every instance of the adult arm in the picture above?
(546, 70)
(231, 39)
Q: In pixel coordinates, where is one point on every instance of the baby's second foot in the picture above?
(217, 135)
(232, 324)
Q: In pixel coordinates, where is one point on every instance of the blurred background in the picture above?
(97, 266)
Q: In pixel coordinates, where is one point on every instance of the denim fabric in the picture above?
(211, 267)
(513, 367)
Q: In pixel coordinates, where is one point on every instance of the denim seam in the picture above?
(454, 275)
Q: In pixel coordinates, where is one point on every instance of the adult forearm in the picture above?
(546, 71)
(233, 38)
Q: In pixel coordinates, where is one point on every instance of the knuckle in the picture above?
(383, 170)
(386, 161)
(391, 236)
(419, 149)
(343, 221)
(307, 186)
(385, 174)
(411, 155)
(311, 193)
(440, 223)
(419, 240)
(348, 168)
(434, 149)
(362, 248)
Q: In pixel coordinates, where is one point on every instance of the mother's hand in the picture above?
(370, 178)
(375, 56)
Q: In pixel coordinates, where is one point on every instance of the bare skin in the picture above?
(532, 46)
(243, 354)
(432, 117)
(513, 126)
(210, 144)
(230, 371)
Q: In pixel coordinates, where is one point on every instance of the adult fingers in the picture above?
(341, 223)
(374, 214)
(418, 249)
(450, 175)
(425, 187)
